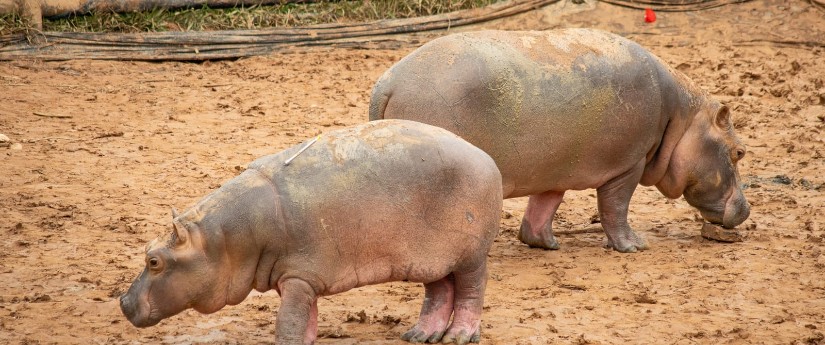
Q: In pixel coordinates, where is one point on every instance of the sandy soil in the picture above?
(81, 196)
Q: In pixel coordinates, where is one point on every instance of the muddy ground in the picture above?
(107, 148)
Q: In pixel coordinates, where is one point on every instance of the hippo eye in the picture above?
(154, 262)
(739, 153)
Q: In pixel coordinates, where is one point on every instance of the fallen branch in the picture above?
(109, 135)
(228, 44)
(31, 141)
(592, 230)
(218, 85)
(807, 44)
(52, 115)
(673, 5)
(35, 10)
(819, 4)
(573, 287)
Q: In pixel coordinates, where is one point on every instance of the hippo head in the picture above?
(178, 275)
(703, 168)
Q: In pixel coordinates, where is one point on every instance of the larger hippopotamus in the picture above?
(573, 109)
(383, 201)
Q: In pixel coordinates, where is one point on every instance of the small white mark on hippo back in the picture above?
(469, 216)
(381, 133)
(345, 148)
(394, 148)
(562, 42)
(355, 149)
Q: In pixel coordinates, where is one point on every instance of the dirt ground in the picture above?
(81, 195)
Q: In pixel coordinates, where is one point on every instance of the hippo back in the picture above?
(379, 201)
(546, 106)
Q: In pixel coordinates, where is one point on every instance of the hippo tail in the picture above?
(379, 99)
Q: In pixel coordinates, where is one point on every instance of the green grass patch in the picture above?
(253, 17)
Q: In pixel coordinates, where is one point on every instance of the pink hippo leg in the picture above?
(312, 324)
(435, 313)
(296, 319)
(469, 302)
(537, 225)
(614, 200)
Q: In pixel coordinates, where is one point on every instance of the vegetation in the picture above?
(253, 17)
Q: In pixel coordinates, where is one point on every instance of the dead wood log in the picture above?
(673, 5)
(211, 45)
(36, 10)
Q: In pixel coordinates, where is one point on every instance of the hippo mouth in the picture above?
(734, 212)
(712, 216)
(138, 311)
(737, 211)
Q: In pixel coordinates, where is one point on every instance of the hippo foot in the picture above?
(629, 242)
(418, 335)
(537, 239)
(462, 336)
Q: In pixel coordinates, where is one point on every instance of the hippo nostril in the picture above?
(127, 305)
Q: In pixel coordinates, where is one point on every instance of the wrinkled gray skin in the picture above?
(571, 110)
(384, 201)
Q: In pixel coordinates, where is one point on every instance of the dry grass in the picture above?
(204, 19)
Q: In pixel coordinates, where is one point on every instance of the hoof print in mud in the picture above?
(717, 233)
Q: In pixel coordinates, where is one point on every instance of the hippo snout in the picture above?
(737, 211)
(131, 309)
(134, 308)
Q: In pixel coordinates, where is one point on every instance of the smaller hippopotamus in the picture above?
(573, 109)
(390, 200)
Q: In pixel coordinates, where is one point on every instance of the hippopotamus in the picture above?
(573, 109)
(383, 201)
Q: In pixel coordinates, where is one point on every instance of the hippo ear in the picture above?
(174, 213)
(723, 117)
(181, 234)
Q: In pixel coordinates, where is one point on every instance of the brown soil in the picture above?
(86, 192)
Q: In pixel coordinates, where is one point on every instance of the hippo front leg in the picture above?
(537, 225)
(297, 322)
(614, 200)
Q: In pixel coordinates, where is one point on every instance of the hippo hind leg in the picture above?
(469, 302)
(537, 225)
(435, 313)
(614, 200)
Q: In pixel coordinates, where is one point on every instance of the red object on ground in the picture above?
(650, 16)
